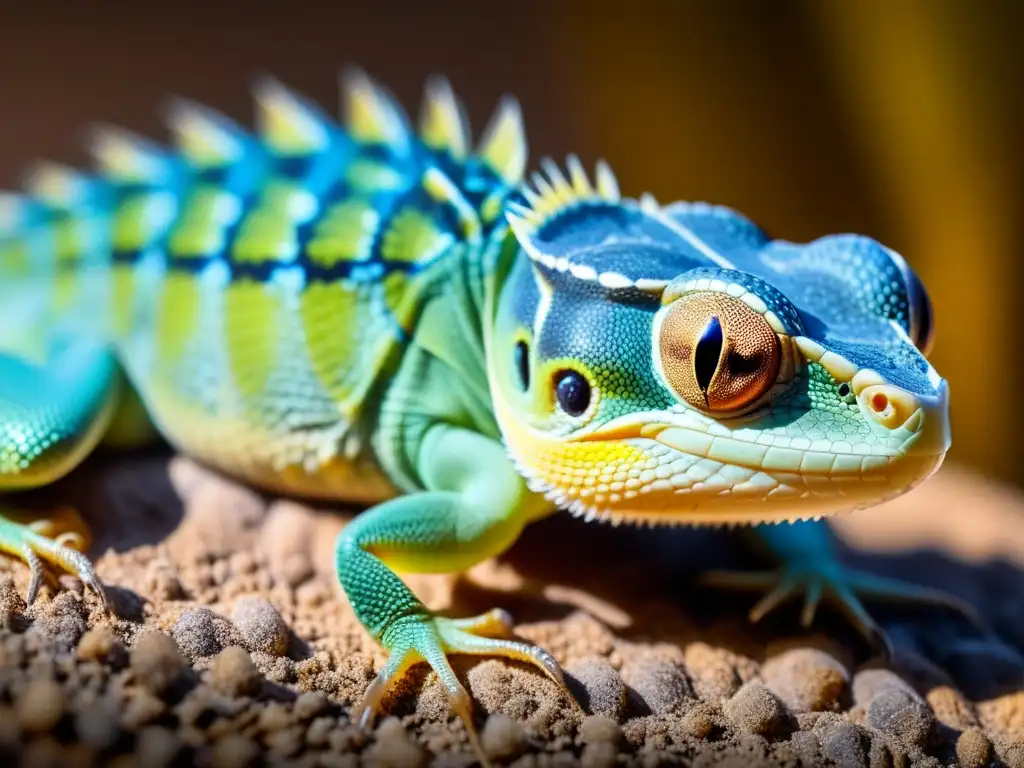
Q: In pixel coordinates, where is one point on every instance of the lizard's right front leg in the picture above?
(474, 507)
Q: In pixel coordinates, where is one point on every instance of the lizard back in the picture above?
(259, 290)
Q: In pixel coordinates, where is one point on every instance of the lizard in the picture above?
(398, 317)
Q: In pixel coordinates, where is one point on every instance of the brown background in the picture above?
(901, 119)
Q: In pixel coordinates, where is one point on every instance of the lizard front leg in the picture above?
(474, 507)
(52, 413)
(809, 568)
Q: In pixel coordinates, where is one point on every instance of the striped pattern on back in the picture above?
(258, 287)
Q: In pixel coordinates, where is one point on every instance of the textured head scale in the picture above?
(674, 364)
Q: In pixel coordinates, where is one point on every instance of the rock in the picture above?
(310, 704)
(40, 706)
(598, 755)
(598, 728)
(234, 751)
(713, 674)
(393, 748)
(156, 662)
(661, 685)
(233, 673)
(98, 726)
(698, 721)
(755, 709)
(840, 741)
(62, 619)
(502, 737)
(871, 681)
(903, 717)
(156, 746)
(806, 679)
(199, 632)
(12, 605)
(263, 629)
(973, 749)
(598, 687)
(99, 644)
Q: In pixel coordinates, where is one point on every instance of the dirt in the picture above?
(231, 644)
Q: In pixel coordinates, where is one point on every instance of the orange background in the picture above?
(901, 119)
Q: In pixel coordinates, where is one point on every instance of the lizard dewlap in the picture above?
(371, 313)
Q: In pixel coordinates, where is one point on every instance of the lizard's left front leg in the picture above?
(474, 507)
(809, 568)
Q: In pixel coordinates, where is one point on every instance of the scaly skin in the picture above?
(376, 316)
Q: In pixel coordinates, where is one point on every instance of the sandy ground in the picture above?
(232, 644)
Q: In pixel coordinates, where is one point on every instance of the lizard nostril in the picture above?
(887, 405)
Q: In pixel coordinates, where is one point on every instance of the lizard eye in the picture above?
(717, 353)
(572, 391)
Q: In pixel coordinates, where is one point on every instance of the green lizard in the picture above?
(398, 319)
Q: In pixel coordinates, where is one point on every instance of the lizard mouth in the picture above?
(683, 468)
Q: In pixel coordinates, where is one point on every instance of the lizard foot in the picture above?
(431, 639)
(842, 588)
(58, 540)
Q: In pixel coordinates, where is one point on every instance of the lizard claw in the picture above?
(842, 588)
(38, 544)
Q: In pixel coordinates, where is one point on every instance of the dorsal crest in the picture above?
(572, 228)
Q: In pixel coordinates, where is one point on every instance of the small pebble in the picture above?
(393, 748)
(600, 754)
(234, 751)
(698, 721)
(867, 683)
(598, 687)
(261, 626)
(200, 632)
(901, 716)
(502, 737)
(598, 728)
(100, 644)
(40, 706)
(806, 679)
(973, 749)
(156, 746)
(156, 661)
(142, 708)
(97, 726)
(233, 673)
(840, 741)
(755, 709)
(310, 704)
(713, 674)
(12, 604)
(319, 732)
(661, 684)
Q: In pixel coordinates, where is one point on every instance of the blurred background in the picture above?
(901, 119)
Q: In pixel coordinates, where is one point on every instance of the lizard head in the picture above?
(676, 365)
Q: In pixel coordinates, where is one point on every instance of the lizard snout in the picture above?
(925, 419)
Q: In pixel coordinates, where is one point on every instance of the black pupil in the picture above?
(709, 350)
(573, 392)
(522, 362)
(844, 390)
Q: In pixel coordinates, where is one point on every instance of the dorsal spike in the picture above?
(59, 186)
(558, 181)
(125, 157)
(443, 122)
(289, 123)
(607, 185)
(503, 146)
(580, 182)
(205, 137)
(371, 114)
